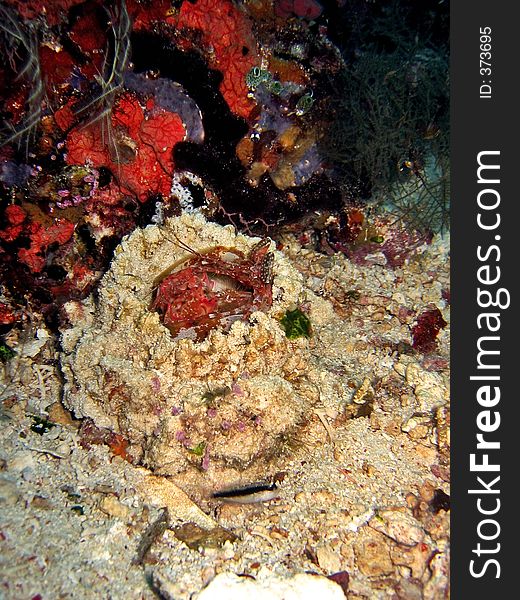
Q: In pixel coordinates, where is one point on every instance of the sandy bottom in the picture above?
(365, 495)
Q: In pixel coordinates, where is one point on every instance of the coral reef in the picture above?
(159, 364)
(229, 401)
(133, 131)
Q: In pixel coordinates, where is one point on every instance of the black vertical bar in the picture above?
(485, 122)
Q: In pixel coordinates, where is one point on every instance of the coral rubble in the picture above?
(231, 400)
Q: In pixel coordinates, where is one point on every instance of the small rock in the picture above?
(40, 502)
(438, 526)
(9, 493)
(393, 427)
(301, 497)
(360, 395)
(427, 491)
(58, 414)
(232, 515)
(409, 589)
(328, 560)
(196, 537)
(429, 389)
(63, 449)
(399, 526)
(324, 498)
(417, 427)
(373, 556)
(111, 506)
(21, 461)
(278, 533)
(28, 474)
(426, 454)
(165, 587)
(32, 348)
(368, 469)
(411, 500)
(162, 492)
(415, 558)
(342, 578)
(228, 586)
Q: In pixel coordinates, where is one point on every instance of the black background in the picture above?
(484, 125)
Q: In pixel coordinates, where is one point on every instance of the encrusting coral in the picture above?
(141, 152)
(226, 30)
(232, 400)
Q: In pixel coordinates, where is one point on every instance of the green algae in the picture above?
(296, 324)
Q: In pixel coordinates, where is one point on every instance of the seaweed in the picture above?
(425, 331)
(6, 352)
(296, 324)
(388, 122)
(421, 195)
(198, 450)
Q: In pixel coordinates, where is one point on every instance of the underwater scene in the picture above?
(224, 299)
